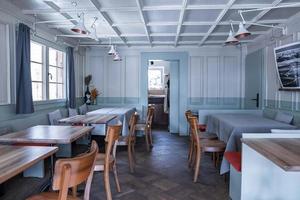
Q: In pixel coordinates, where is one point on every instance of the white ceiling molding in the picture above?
(181, 18)
(143, 18)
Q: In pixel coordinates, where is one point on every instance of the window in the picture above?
(156, 78)
(56, 74)
(4, 65)
(47, 72)
(37, 63)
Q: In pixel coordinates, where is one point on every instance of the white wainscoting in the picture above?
(215, 81)
(4, 65)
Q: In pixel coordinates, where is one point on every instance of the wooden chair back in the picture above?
(150, 116)
(188, 114)
(133, 121)
(74, 171)
(193, 121)
(112, 136)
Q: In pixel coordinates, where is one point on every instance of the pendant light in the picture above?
(112, 50)
(80, 27)
(117, 57)
(242, 32)
(231, 40)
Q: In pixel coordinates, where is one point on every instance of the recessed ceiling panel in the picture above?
(163, 39)
(217, 38)
(224, 28)
(124, 17)
(195, 29)
(201, 15)
(254, 1)
(163, 29)
(139, 39)
(208, 2)
(162, 2)
(132, 29)
(191, 38)
(283, 13)
(117, 3)
(235, 16)
(166, 15)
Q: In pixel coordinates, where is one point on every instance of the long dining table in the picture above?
(16, 159)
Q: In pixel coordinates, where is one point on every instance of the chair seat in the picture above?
(235, 159)
(202, 127)
(208, 136)
(49, 196)
(100, 160)
(140, 127)
(213, 146)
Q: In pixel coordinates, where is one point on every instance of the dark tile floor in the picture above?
(163, 174)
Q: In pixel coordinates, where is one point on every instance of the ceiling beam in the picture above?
(219, 18)
(144, 20)
(107, 20)
(181, 18)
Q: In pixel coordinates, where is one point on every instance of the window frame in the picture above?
(45, 71)
(161, 69)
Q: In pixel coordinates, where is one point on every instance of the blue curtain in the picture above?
(24, 103)
(71, 78)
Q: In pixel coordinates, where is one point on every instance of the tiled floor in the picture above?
(163, 174)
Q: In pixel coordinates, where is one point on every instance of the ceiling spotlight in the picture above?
(117, 57)
(80, 27)
(231, 40)
(242, 32)
(112, 50)
(94, 34)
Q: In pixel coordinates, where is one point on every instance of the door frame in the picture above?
(182, 58)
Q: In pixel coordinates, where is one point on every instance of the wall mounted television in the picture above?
(287, 60)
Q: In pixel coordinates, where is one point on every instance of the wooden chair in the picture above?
(211, 146)
(68, 174)
(201, 135)
(129, 141)
(146, 127)
(106, 162)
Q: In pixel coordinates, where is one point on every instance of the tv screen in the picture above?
(288, 65)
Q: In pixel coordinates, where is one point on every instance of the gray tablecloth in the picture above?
(124, 114)
(230, 127)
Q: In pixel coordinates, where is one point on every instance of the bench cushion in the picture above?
(235, 159)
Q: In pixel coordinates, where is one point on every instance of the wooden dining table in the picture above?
(16, 159)
(88, 119)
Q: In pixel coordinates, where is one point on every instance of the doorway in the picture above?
(163, 93)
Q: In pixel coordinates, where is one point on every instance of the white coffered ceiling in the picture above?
(159, 22)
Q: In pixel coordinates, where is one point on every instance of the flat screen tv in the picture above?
(287, 59)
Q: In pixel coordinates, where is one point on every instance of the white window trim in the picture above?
(46, 77)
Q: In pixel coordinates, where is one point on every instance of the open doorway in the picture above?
(159, 92)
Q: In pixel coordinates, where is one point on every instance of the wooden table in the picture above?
(284, 152)
(88, 119)
(44, 134)
(14, 160)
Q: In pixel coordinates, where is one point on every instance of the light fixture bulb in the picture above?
(242, 32)
(80, 27)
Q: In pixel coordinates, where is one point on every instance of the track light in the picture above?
(112, 50)
(117, 57)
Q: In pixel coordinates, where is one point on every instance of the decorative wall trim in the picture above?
(216, 102)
